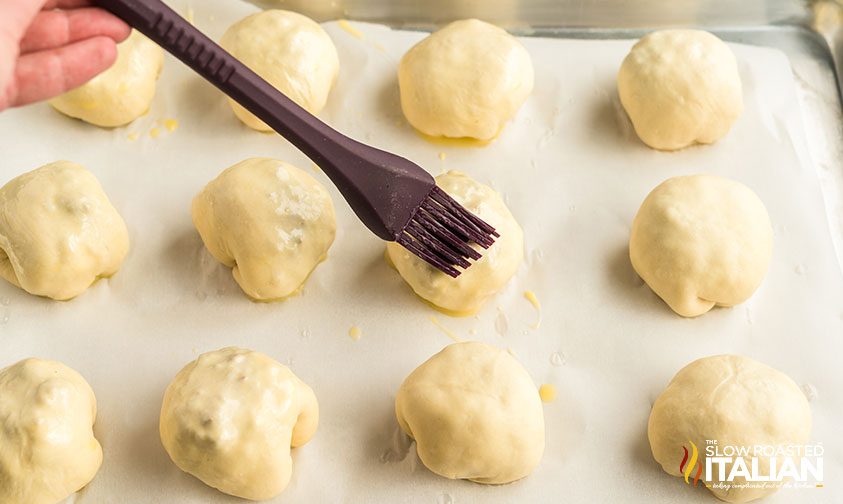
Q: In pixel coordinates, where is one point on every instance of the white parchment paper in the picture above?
(572, 172)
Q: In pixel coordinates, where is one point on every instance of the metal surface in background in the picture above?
(553, 13)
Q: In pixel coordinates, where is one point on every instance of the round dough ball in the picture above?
(47, 445)
(58, 231)
(230, 418)
(466, 294)
(700, 241)
(680, 87)
(466, 80)
(122, 93)
(735, 401)
(269, 221)
(292, 52)
(475, 414)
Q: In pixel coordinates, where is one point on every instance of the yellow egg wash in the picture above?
(445, 330)
(348, 27)
(531, 297)
(547, 392)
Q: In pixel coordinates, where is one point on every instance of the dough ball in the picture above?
(269, 221)
(292, 52)
(700, 241)
(230, 418)
(466, 80)
(680, 87)
(47, 445)
(465, 294)
(58, 231)
(122, 93)
(475, 414)
(735, 401)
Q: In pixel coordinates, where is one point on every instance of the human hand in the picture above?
(48, 47)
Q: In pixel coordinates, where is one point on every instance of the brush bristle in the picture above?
(441, 232)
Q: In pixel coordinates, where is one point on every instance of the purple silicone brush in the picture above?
(395, 198)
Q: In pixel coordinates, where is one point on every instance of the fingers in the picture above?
(56, 28)
(45, 74)
(18, 14)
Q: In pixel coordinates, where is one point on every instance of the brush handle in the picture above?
(367, 177)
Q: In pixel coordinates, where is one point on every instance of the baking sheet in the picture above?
(572, 172)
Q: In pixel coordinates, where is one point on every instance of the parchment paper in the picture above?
(572, 172)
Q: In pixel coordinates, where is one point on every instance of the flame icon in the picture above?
(686, 466)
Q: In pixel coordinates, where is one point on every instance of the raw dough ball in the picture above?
(292, 52)
(735, 401)
(700, 241)
(58, 231)
(269, 221)
(465, 294)
(230, 417)
(47, 445)
(475, 414)
(680, 87)
(465, 80)
(121, 94)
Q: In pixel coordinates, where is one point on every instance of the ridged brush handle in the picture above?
(367, 177)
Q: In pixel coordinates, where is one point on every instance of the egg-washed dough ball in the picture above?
(466, 80)
(230, 418)
(700, 241)
(680, 87)
(291, 52)
(735, 401)
(122, 93)
(47, 446)
(269, 221)
(466, 294)
(59, 232)
(474, 413)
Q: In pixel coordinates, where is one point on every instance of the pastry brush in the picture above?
(395, 198)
